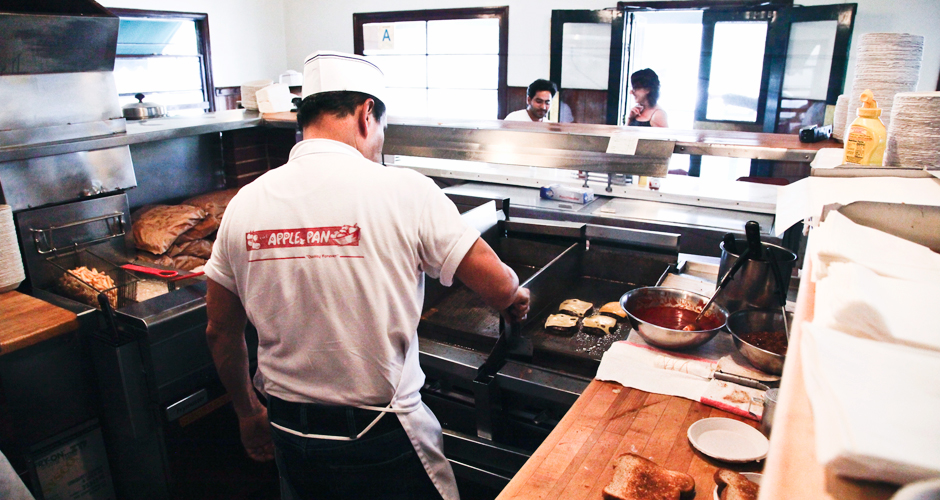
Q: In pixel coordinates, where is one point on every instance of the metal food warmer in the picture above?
(165, 428)
(155, 391)
(499, 389)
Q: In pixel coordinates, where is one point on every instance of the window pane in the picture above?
(670, 43)
(463, 72)
(809, 60)
(736, 68)
(585, 55)
(467, 104)
(407, 102)
(403, 71)
(159, 73)
(155, 37)
(394, 38)
(463, 36)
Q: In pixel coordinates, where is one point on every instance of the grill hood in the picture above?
(57, 86)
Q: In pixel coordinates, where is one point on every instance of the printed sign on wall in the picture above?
(378, 37)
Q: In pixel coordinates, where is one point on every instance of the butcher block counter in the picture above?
(26, 320)
(576, 460)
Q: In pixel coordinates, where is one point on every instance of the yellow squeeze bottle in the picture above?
(865, 138)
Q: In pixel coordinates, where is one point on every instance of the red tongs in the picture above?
(161, 273)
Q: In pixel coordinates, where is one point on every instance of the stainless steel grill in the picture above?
(498, 391)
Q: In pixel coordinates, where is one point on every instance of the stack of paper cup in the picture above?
(887, 63)
(839, 116)
(11, 263)
(914, 134)
(248, 91)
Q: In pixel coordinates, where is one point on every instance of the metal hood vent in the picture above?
(550, 145)
(56, 86)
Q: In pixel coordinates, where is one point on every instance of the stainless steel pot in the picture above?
(754, 286)
(141, 110)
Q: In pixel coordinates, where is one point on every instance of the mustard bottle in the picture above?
(865, 137)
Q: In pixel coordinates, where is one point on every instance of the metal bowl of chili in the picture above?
(760, 336)
(658, 315)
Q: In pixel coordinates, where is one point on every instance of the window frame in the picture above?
(500, 13)
(201, 20)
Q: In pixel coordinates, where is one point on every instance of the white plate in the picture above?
(728, 440)
(753, 477)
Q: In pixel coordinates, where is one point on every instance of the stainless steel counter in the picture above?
(701, 228)
(143, 131)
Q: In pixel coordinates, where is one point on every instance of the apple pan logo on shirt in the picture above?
(330, 236)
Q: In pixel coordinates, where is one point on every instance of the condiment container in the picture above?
(865, 137)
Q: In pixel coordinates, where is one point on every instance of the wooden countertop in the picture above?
(26, 320)
(607, 420)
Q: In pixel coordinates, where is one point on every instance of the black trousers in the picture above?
(382, 464)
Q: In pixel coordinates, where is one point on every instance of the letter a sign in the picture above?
(386, 37)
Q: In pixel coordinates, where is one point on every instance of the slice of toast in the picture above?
(735, 486)
(637, 478)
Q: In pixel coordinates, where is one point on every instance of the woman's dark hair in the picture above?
(539, 86)
(340, 103)
(646, 79)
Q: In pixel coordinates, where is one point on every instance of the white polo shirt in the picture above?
(328, 255)
(520, 116)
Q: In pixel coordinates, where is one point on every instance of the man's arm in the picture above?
(483, 272)
(226, 337)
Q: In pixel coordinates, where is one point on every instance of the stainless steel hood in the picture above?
(57, 86)
(569, 146)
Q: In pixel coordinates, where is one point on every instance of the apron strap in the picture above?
(382, 411)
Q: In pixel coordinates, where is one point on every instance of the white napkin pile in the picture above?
(275, 98)
(876, 406)
(871, 356)
(839, 239)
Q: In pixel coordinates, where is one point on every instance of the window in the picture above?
(165, 56)
(439, 63)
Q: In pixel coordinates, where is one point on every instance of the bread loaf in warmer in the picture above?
(187, 262)
(157, 228)
(214, 205)
(637, 478)
(162, 260)
(196, 248)
(734, 486)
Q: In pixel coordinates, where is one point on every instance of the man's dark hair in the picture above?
(540, 85)
(340, 103)
(647, 79)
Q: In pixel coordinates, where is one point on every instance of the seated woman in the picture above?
(645, 89)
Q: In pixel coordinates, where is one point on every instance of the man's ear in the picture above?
(365, 117)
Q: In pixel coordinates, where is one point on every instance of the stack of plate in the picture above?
(914, 133)
(249, 89)
(839, 116)
(887, 63)
(11, 264)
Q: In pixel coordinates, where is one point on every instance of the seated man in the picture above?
(538, 101)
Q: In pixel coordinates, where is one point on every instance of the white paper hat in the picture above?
(327, 71)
